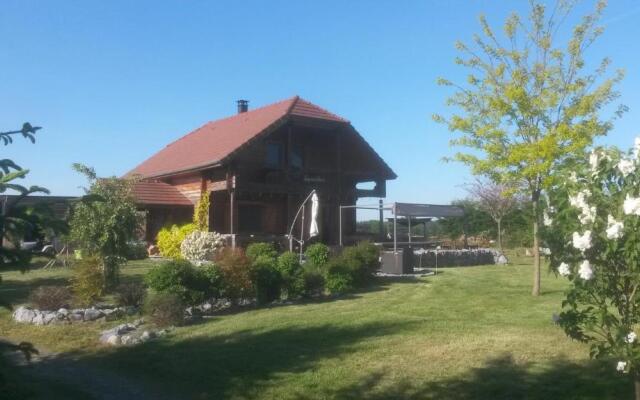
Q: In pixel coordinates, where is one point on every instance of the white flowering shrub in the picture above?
(199, 247)
(593, 230)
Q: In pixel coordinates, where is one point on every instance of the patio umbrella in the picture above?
(313, 226)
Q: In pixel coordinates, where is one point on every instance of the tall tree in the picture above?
(495, 199)
(530, 102)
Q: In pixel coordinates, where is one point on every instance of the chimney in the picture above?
(243, 106)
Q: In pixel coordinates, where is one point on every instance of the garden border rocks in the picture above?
(129, 334)
(28, 315)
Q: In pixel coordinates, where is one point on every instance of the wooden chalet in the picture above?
(258, 165)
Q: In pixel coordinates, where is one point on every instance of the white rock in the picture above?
(24, 315)
(130, 340)
(77, 316)
(63, 311)
(91, 314)
(147, 335)
(113, 340)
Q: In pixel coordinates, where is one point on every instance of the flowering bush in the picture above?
(593, 230)
(170, 239)
(199, 247)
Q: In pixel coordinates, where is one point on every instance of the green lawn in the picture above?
(468, 333)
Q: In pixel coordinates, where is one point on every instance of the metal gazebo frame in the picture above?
(407, 210)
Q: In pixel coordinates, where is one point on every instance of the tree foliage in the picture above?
(16, 219)
(106, 221)
(528, 103)
(594, 237)
(495, 199)
(201, 212)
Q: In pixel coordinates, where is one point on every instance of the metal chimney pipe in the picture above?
(243, 106)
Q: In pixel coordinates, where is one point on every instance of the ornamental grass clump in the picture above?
(592, 227)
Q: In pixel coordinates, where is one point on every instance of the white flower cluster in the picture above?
(563, 269)
(636, 148)
(614, 228)
(587, 213)
(199, 247)
(631, 337)
(585, 271)
(594, 161)
(622, 366)
(582, 242)
(631, 205)
(546, 219)
(626, 166)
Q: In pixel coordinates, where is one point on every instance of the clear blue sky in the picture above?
(112, 82)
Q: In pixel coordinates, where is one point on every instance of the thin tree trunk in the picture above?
(637, 386)
(536, 244)
(499, 221)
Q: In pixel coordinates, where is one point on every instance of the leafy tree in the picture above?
(104, 224)
(594, 237)
(528, 103)
(495, 199)
(475, 222)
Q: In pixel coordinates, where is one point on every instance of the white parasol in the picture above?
(313, 226)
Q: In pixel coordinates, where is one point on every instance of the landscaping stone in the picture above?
(129, 334)
(24, 315)
(28, 315)
(91, 314)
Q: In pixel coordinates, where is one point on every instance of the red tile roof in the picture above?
(213, 142)
(158, 193)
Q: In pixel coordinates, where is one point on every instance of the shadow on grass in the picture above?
(17, 292)
(238, 364)
(500, 379)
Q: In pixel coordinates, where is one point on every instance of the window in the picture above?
(273, 157)
(296, 159)
(249, 218)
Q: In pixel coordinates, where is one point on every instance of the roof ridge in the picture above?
(321, 109)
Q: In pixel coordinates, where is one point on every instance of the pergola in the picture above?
(410, 211)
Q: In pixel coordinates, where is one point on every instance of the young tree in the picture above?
(495, 199)
(529, 103)
(594, 238)
(104, 224)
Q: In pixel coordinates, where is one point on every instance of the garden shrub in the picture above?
(137, 250)
(317, 255)
(293, 280)
(170, 239)
(130, 294)
(213, 280)
(235, 268)
(165, 309)
(266, 279)
(314, 283)
(87, 282)
(199, 247)
(50, 298)
(181, 278)
(255, 250)
(362, 260)
(339, 277)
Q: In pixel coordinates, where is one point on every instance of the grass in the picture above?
(468, 333)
